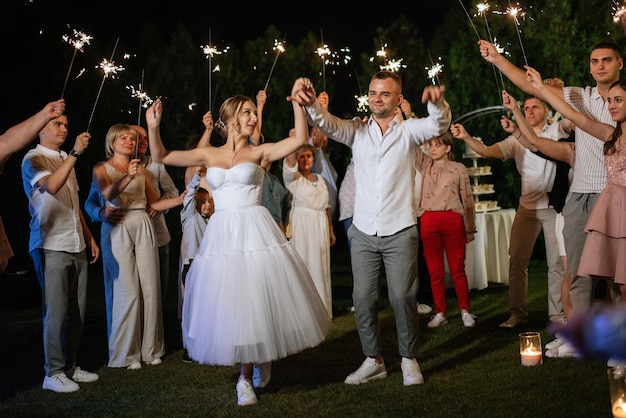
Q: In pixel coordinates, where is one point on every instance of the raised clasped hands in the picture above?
(303, 92)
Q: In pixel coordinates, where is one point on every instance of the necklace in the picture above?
(118, 167)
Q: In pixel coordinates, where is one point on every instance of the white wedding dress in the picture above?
(248, 296)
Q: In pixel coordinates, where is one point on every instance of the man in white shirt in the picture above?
(58, 238)
(383, 231)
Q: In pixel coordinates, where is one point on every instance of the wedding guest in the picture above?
(448, 223)
(322, 165)
(59, 237)
(165, 188)
(563, 152)
(11, 141)
(534, 212)
(133, 296)
(602, 257)
(197, 209)
(590, 175)
(239, 308)
(383, 230)
(311, 222)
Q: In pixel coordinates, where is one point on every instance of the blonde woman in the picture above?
(130, 254)
(249, 298)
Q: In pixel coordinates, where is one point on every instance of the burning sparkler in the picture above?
(209, 51)
(619, 14)
(78, 40)
(279, 47)
(434, 70)
(110, 69)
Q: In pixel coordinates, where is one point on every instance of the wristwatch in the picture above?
(73, 153)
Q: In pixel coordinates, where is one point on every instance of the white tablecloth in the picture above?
(487, 257)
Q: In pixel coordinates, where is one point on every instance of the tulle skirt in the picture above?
(248, 295)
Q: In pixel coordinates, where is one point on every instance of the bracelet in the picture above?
(517, 137)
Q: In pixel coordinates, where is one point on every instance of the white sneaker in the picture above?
(154, 362)
(60, 383)
(437, 320)
(261, 374)
(135, 366)
(423, 309)
(556, 343)
(83, 376)
(468, 320)
(369, 370)
(616, 363)
(245, 392)
(562, 351)
(411, 372)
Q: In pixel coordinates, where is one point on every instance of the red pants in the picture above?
(445, 231)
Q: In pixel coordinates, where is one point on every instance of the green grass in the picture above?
(472, 372)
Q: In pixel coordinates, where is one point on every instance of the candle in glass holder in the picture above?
(619, 409)
(531, 358)
(617, 389)
(530, 348)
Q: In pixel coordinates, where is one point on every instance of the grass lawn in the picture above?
(469, 372)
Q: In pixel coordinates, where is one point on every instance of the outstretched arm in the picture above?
(485, 151)
(602, 131)
(18, 136)
(194, 157)
(561, 151)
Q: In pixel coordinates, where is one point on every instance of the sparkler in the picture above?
(78, 40)
(109, 68)
(362, 100)
(434, 70)
(470, 19)
(514, 12)
(619, 15)
(209, 51)
(323, 52)
(144, 100)
(279, 47)
(482, 10)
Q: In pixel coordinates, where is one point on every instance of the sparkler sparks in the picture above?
(279, 47)
(78, 41)
(434, 70)
(110, 69)
(209, 51)
(619, 14)
(362, 103)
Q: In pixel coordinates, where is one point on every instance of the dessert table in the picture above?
(487, 257)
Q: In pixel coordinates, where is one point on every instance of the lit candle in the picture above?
(619, 409)
(530, 357)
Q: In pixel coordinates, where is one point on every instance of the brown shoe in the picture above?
(513, 321)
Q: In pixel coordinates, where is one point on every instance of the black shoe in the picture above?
(186, 357)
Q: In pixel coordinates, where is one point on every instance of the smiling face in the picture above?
(616, 104)
(605, 65)
(125, 142)
(384, 96)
